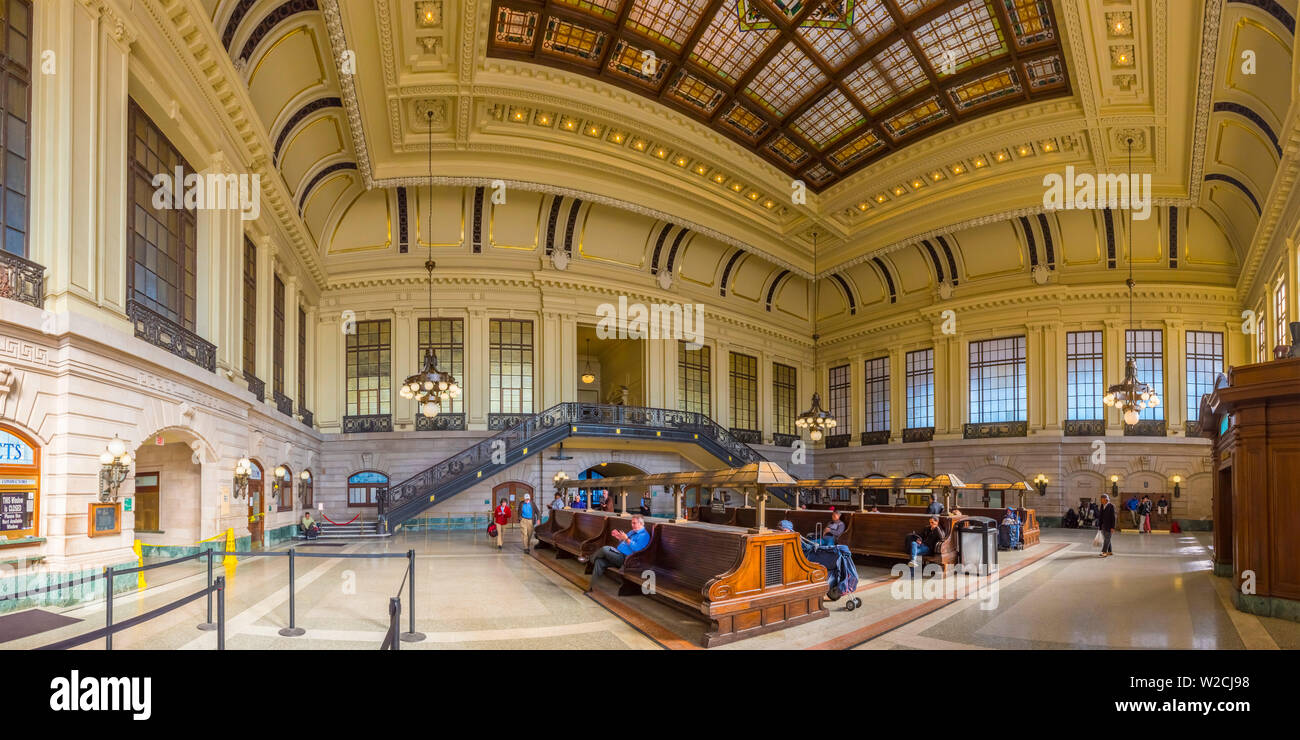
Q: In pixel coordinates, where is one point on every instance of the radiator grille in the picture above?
(773, 565)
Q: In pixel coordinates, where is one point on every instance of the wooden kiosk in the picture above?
(1253, 420)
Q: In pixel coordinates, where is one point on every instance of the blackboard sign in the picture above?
(104, 519)
(13, 511)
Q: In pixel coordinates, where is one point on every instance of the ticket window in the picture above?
(20, 480)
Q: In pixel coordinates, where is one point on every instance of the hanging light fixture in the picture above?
(587, 377)
(816, 420)
(1131, 395)
(430, 387)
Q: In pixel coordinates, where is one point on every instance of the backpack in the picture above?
(492, 529)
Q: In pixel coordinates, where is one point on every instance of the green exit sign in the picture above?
(126, 504)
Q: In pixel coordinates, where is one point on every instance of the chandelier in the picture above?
(430, 387)
(816, 420)
(1131, 395)
(587, 377)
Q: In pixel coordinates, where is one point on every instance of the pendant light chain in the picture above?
(816, 420)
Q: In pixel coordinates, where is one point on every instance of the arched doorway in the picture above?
(364, 488)
(20, 484)
(256, 503)
(512, 492)
(168, 486)
(594, 496)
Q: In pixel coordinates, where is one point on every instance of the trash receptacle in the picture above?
(977, 542)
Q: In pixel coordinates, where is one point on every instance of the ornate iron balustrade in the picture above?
(995, 430)
(22, 280)
(748, 436)
(784, 440)
(834, 441)
(1146, 428)
(283, 403)
(161, 331)
(533, 433)
(875, 438)
(918, 434)
(497, 422)
(307, 418)
(255, 386)
(1085, 428)
(440, 423)
(372, 423)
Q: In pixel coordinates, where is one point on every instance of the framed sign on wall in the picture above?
(104, 519)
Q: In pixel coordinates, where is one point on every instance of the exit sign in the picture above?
(126, 504)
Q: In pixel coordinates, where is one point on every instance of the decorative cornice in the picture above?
(348, 89)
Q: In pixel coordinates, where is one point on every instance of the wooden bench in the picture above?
(583, 536)
(743, 584)
(707, 515)
(612, 522)
(885, 535)
(1029, 529)
(559, 520)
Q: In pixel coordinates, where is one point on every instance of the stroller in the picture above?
(841, 573)
(1009, 533)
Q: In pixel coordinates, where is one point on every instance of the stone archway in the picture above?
(168, 486)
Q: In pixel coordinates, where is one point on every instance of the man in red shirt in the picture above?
(502, 518)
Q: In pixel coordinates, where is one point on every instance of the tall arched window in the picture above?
(364, 487)
(307, 489)
(284, 488)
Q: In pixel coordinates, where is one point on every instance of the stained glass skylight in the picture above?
(818, 88)
(790, 77)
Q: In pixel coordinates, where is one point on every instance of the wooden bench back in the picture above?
(706, 514)
(688, 555)
(588, 526)
(886, 533)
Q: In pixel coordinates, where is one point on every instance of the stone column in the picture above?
(78, 130)
(548, 382)
(720, 372)
(266, 251)
(312, 381)
(897, 393)
(331, 350)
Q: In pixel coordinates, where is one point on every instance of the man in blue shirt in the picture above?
(528, 516)
(632, 542)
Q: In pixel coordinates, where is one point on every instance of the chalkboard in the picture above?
(13, 511)
(104, 519)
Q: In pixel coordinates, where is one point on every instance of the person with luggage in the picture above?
(925, 543)
(1009, 532)
(528, 517)
(502, 517)
(308, 526)
(1106, 523)
(632, 542)
(833, 530)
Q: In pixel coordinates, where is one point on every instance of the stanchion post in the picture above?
(208, 625)
(412, 635)
(221, 612)
(108, 606)
(395, 621)
(292, 630)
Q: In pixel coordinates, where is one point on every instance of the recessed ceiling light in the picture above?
(936, 175)
(980, 162)
(880, 199)
(718, 178)
(618, 138)
(769, 203)
(1001, 156)
(661, 153)
(737, 187)
(917, 183)
(863, 206)
(1048, 146)
(700, 169)
(680, 161)
(519, 115)
(1024, 151)
(958, 169)
(543, 120)
(898, 191)
(753, 195)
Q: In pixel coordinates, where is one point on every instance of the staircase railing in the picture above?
(539, 431)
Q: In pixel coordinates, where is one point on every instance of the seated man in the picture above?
(935, 507)
(308, 526)
(874, 509)
(833, 530)
(633, 542)
(557, 502)
(927, 543)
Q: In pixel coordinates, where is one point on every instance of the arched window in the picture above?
(284, 488)
(364, 487)
(306, 488)
(20, 485)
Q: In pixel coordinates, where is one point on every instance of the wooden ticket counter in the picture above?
(1253, 420)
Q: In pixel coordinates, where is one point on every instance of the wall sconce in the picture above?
(115, 463)
(1040, 483)
(1114, 486)
(1177, 490)
(243, 470)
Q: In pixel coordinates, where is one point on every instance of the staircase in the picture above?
(539, 432)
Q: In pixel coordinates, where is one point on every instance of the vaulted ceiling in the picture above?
(350, 95)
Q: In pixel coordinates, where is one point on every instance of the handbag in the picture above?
(1098, 539)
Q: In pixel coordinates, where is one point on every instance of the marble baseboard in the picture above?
(84, 592)
(445, 524)
(1267, 606)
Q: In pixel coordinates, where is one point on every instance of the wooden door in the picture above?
(256, 503)
(503, 493)
(146, 502)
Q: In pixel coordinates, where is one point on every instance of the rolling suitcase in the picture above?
(1004, 537)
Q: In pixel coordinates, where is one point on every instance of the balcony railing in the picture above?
(307, 418)
(748, 436)
(994, 430)
(283, 403)
(498, 422)
(834, 441)
(1146, 428)
(161, 331)
(371, 423)
(440, 423)
(875, 438)
(1085, 428)
(784, 440)
(918, 434)
(255, 386)
(21, 280)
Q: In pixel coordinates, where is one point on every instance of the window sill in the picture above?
(21, 542)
